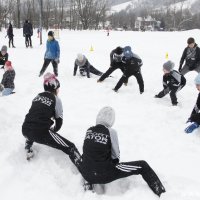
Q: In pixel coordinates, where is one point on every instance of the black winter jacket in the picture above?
(191, 62)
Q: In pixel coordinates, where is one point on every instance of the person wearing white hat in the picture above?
(85, 68)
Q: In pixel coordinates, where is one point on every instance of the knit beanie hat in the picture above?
(4, 48)
(51, 83)
(8, 65)
(80, 57)
(190, 40)
(119, 50)
(169, 65)
(197, 79)
(128, 52)
(51, 33)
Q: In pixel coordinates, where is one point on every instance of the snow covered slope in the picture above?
(148, 128)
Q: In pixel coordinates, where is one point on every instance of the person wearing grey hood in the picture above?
(85, 68)
(100, 159)
(191, 56)
(3, 55)
(173, 81)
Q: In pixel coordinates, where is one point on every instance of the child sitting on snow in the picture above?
(173, 81)
(3, 55)
(85, 68)
(195, 115)
(7, 83)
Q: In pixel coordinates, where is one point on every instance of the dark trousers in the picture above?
(172, 92)
(195, 118)
(54, 140)
(95, 71)
(123, 170)
(110, 70)
(11, 42)
(46, 64)
(28, 41)
(125, 78)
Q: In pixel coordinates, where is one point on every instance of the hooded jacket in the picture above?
(101, 145)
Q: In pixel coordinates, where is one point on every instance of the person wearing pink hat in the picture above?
(7, 83)
(45, 119)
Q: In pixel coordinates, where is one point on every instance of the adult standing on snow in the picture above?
(10, 35)
(27, 33)
(100, 159)
(52, 54)
(37, 126)
(194, 118)
(115, 63)
(191, 56)
(85, 68)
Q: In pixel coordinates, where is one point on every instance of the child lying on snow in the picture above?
(194, 118)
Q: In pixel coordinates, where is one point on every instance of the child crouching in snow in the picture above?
(173, 81)
(85, 68)
(7, 84)
(194, 118)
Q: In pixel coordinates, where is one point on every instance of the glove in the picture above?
(191, 127)
(57, 60)
(1, 87)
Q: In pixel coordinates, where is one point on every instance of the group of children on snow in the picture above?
(99, 163)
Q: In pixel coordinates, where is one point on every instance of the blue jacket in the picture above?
(52, 49)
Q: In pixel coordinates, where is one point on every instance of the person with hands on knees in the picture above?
(115, 63)
(52, 54)
(85, 68)
(39, 126)
(173, 82)
(194, 119)
(7, 83)
(100, 159)
(132, 67)
(191, 56)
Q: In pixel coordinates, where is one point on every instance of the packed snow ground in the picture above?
(148, 128)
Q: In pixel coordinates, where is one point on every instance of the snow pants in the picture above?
(125, 169)
(54, 140)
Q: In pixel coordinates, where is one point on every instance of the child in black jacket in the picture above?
(100, 159)
(173, 81)
(37, 126)
(191, 56)
(194, 118)
(132, 67)
(3, 56)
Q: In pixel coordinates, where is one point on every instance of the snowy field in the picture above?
(148, 128)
